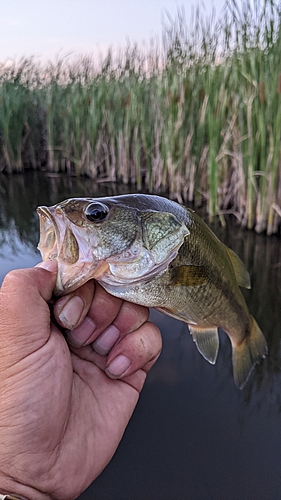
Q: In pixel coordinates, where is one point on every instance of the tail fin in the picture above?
(247, 354)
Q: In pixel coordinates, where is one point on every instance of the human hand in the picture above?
(63, 410)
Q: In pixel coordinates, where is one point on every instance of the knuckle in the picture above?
(132, 316)
(15, 284)
(155, 339)
(12, 277)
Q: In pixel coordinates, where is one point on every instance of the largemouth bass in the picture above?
(154, 252)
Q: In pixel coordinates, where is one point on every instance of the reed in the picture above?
(197, 118)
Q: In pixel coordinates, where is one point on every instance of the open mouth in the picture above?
(56, 242)
(48, 235)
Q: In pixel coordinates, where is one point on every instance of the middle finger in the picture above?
(108, 320)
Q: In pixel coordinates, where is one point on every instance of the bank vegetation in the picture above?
(197, 117)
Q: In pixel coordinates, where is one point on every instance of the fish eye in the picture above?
(96, 212)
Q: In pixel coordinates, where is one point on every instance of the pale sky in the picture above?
(48, 28)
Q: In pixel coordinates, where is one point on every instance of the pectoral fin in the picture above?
(207, 342)
(188, 275)
(241, 273)
(182, 316)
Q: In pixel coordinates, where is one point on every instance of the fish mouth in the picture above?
(51, 245)
(58, 242)
(49, 234)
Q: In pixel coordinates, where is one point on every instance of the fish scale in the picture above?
(154, 252)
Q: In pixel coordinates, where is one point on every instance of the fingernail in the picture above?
(106, 340)
(82, 333)
(71, 312)
(118, 366)
(49, 265)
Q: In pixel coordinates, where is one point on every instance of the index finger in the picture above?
(109, 319)
(86, 309)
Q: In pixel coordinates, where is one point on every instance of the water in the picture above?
(194, 435)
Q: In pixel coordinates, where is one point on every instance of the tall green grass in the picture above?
(198, 118)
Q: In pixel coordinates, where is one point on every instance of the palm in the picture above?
(62, 417)
(76, 413)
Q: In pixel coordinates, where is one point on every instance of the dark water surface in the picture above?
(194, 435)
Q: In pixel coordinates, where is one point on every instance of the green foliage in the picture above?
(199, 119)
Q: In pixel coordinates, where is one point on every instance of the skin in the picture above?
(64, 408)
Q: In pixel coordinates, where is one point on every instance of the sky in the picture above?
(47, 29)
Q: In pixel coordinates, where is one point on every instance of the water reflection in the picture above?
(19, 225)
(194, 435)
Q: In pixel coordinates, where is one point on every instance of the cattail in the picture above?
(279, 84)
(129, 118)
(201, 94)
(126, 101)
(261, 92)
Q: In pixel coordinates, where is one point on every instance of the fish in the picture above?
(152, 251)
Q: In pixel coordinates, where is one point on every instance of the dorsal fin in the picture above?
(241, 273)
(207, 342)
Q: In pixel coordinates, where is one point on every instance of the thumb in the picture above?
(24, 311)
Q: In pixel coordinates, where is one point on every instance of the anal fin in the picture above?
(207, 342)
